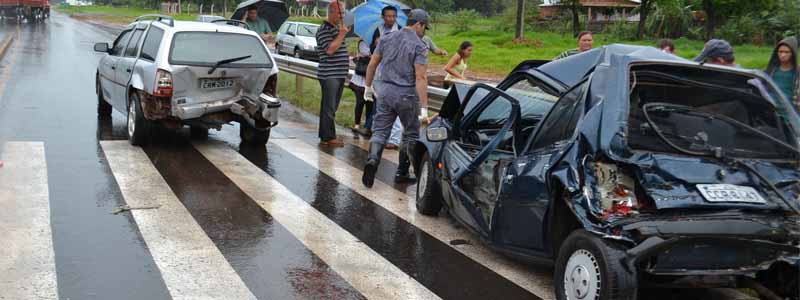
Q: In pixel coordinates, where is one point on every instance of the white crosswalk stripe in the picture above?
(536, 282)
(363, 268)
(27, 263)
(191, 265)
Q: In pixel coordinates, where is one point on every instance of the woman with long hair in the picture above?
(457, 66)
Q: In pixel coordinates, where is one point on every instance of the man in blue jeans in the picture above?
(403, 90)
(334, 64)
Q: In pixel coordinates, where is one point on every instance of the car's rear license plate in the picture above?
(730, 193)
(216, 83)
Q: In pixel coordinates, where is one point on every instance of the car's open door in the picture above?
(489, 125)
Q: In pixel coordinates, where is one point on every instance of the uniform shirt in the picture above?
(259, 26)
(333, 66)
(431, 45)
(399, 52)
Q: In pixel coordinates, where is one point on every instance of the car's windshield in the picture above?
(208, 48)
(307, 30)
(672, 114)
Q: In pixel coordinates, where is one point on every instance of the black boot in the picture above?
(403, 175)
(375, 154)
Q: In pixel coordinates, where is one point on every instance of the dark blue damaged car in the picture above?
(624, 168)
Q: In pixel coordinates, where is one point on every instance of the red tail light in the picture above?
(163, 86)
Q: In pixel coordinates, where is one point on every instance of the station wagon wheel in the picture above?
(429, 192)
(138, 126)
(297, 53)
(103, 108)
(251, 135)
(589, 268)
(198, 132)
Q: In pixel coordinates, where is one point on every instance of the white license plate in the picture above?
(217, 83)
(730, 193)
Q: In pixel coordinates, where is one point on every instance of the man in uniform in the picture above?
(403, 90)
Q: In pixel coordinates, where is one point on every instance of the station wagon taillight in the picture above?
(163, 86)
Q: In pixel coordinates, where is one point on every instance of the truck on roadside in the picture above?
(31, 10)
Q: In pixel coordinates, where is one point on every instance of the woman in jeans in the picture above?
(357, 85)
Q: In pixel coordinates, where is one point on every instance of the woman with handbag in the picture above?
(357, 85)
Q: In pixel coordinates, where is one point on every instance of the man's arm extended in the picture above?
(374, 61)
(422, 87)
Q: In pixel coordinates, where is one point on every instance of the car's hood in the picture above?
(671, 180)
(307, 40)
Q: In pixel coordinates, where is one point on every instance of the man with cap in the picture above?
(403, 91)
(718, 52)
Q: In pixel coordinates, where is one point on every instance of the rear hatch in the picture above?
(712, 139)
(200, 77)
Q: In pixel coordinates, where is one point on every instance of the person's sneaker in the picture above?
(404, 178)
(365, 132)
(355, 128)
(391, 146)
(332, 143)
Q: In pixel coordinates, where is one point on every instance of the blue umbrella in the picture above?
(367, 18)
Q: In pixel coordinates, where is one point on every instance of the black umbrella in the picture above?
(274, 12)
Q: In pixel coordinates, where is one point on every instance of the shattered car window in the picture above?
(673, 112)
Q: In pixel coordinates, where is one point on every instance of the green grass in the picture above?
(118, 15)
(311, 97)
(496, 52)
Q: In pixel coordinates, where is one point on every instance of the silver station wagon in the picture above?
(173, 73)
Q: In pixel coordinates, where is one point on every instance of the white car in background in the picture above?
(173, 73)
(298, 39)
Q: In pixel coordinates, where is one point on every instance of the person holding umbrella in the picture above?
(257, 24)
(403, 90)
(334, 64)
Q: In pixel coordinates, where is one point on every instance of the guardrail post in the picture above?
(298, 86)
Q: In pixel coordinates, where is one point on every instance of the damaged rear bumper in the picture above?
(260, 113)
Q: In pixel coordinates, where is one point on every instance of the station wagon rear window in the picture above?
(207, 48)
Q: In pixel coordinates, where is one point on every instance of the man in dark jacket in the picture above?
(784, 70)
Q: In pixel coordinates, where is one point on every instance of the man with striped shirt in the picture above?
(334, 64)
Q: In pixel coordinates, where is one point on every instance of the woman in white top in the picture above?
(357, 85)
(457, 66)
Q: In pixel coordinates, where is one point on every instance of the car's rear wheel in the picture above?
(429, 193)
(103, 108)
(198, 132)
(251, 135)
(138, 127)
(591, 268)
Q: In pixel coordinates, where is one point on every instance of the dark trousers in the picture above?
(362, 104)
(331, 95)
(396, 102)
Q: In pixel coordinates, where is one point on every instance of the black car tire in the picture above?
(587, 256)
(429, 192)
(103, 108)
(297, 53)
(139, 128)
(198, 132)
(251, 135)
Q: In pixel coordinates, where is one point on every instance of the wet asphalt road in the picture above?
(47, 95)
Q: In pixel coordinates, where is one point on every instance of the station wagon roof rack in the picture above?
(231, 22)
(157, 17)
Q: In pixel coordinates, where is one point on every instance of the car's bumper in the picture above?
(741, 245)
(260, 113)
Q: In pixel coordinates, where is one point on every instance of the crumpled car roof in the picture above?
(571, 70)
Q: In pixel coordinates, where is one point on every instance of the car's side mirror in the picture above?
(101, 47)
(437, 134)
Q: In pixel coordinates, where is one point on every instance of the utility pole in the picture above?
(520, 19)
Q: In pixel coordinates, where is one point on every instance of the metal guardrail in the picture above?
(308, 69)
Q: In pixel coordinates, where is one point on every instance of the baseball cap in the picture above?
(420, 16)
(716, 48)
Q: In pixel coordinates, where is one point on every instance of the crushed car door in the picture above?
(525, 195)
(482, 139)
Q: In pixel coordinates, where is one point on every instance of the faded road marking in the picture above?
(191, 265)
(363, 268)
(27, 260)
